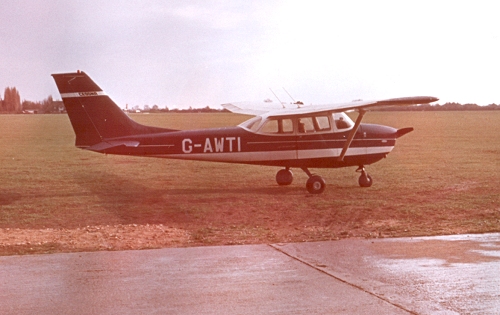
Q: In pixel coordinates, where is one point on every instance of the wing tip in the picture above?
(411, 100)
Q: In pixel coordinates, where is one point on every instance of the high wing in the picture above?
(245, 108)
(360, 106)
(248, 108)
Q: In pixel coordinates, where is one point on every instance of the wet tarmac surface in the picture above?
(428, 275)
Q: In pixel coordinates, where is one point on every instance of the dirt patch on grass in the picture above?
(90, 238)
(225, 228)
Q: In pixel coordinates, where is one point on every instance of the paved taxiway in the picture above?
(425, 275)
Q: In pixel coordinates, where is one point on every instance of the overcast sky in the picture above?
(204, 53)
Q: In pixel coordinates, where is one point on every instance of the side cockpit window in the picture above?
(323, 123)
(314, 124)
(306, 125)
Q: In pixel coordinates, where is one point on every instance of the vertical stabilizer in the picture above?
(93, 115)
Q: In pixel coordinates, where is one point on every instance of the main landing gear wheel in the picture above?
(284, 177)
(365, 180)
(315, 184)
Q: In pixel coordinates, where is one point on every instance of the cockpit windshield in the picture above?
(342, 121)
(252, 124)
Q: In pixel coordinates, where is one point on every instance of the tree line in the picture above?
(445, 107)
(12, 104)
(157, 109)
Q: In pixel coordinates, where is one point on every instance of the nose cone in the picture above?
(378, 131)
(384, 132)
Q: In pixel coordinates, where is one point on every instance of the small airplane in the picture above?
(304, 137)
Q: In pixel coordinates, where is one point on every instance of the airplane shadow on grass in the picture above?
(7, 198)
(113, 189)
(128, 201)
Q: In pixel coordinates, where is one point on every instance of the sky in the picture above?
(192, 53)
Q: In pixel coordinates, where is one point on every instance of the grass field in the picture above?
(443, 178)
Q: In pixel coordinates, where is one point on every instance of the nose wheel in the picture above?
(364, 180)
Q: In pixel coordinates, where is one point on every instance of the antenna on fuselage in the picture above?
(277, 98)
(288, 94)
(298, 103)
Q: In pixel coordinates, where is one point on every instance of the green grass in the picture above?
(441, 178)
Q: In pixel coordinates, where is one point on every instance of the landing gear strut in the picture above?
(365, 180)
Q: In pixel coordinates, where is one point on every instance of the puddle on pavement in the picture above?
(445, 274)
(450, 252)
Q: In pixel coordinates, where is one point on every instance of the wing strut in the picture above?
(351, 135)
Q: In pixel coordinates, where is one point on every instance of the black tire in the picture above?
(315, 184)
(365, 180)
(284, 177)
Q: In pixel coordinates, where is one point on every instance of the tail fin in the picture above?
(93, 115)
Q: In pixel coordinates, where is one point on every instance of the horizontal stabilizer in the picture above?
(112, 144)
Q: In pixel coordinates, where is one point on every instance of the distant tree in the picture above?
(50, 106)
(451, 106)
(206, 110)
(11, 101)
(470, 106)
